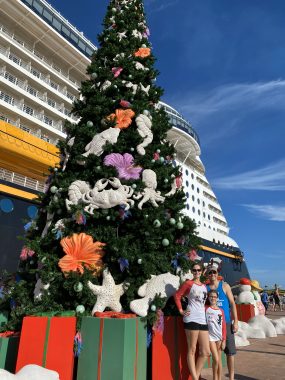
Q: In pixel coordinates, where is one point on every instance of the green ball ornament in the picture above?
(158, 150)
(153, 161)
(146, 216)
(132, 149)
(161, 159)
(55, 169)
(114, 10)
(153, 308)
(94, 75)
(165, 242)
(180, 225)
(90, 124)
(166, 180)
(80, 309)
(156, 223)
(98, 167)
(53, 189)
(78, 287)
(108, 218)
(139, 261)
(134, 186)
(172, 221)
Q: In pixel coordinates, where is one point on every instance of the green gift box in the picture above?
(8, 352)
(3, 318)
(112, 349)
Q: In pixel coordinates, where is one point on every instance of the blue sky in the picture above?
(222, 65)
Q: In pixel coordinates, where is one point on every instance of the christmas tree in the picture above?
(112, 214)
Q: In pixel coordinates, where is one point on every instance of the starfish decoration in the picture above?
(122, 35)
(145, 89)
(109, 294)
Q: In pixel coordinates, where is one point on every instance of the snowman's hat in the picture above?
(245, 281)
(255, 285)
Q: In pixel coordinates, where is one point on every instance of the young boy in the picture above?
(217, 333)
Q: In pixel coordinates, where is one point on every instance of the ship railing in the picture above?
(26, 87)
(44, 78)
(18, 179)
(30, 111)
(38, 133)
(39, 56)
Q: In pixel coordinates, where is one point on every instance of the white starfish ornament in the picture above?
(109, 294)
(122, 35)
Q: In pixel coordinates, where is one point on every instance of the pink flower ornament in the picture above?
(124, 165)
(25, 253)
(117, 71)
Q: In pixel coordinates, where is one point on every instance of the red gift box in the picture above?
(169, 351)
(48, 342)
(245, 311)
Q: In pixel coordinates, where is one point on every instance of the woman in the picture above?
(194, 319)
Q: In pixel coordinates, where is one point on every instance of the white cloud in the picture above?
(270, 178)
(233, 96)
(269, 212)
(160, 7)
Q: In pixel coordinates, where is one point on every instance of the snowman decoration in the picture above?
(245, 295)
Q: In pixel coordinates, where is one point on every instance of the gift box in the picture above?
(9, 344)
(169, 351)
(112, 348)
(170, 348)
(245, 311)
(48, 342)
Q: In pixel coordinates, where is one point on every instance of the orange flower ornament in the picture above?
(81, 252)
(142, 52)
(123, 118)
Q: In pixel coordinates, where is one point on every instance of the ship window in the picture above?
(32, 211)
(65, 31)
(187, 183)
(192, 176)
(203, 204)
(6, 205)
(186, 171)
(192, 187)
(56, 24)
(29, 2)
(187, 194)
(38, 6)
(209, 217)
(198, 190)
(193, 209)
(47, 15)
(187, 207)
(204, 215)
(74, 37)
(198, 200)
(81, 45)
(89, 51)
(193, 198)
(199, 212)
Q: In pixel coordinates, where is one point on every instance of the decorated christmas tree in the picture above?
(112, 214)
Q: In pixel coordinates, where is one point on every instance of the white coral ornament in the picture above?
(99, 196)
(144, 125)
(30, 372)
(149, 193)
(109, 294)
(96, 146)
(166, 284)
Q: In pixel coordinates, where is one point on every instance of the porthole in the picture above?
(32, 211)
(187, 194)
(193, 198)
(186, 171)
(6, 205)
(187, 183)
(187, 206)
(193, 209)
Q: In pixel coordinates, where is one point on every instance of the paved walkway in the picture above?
(263, 359)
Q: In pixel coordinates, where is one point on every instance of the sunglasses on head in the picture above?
(196, 270)
(212, 272)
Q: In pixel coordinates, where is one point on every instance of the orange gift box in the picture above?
(48, 342)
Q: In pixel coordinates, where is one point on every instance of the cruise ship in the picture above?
(43, 61)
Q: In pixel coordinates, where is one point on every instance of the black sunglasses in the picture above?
(212, 272)
(196, 270)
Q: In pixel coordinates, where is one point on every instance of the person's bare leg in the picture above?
(192, 338)
(204, 351)
(215, 358)
(220, 366)
(231, 366)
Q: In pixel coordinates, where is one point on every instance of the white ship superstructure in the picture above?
(202, 204)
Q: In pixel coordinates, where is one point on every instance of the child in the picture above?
(217, 333)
